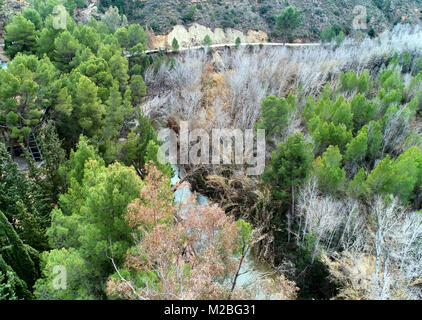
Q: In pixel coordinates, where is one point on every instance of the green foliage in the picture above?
(32, 226)
(330, 175)
(26, 200)
(238, 42)
(356, 149)
(151, 154)
(87, 36)
(289, 166)
(329, 121)
(77, 159)
(113, 19)
(245, 235)
(122, 5)
(45, 7)
(327, 133)
(33, 16)
(340, 38)
(137, 35)
(14, 187)
(91, 215)
(392, 87)
(134, 149)
(122, 36)
(46, 39)
(87, 108)
(358, 187)
(328, 34)
(21, 95)
(11, 286)
(9, 282)
(374, 141)
(288, 21)
(275, 115)
(65, 50)
(405, 61)
(417, 67)
(14, 256)
(138, 88)
(336, 111)
(189, 16)
(363, 110)
(80, 80)
(350, 81)
(20, 36)
(207, 41)
(119, 68)
(117, 110)
(75, 272)
(98, 71)
(400, 177)
(390, 79)
(407, 174)
(175, 45)
(380, 179)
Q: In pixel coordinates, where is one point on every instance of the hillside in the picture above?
(251, 20)
(162, 15)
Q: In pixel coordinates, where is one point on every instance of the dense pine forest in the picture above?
(89, 211)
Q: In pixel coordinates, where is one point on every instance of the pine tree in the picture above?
(175, 45)
(238, 42)
(138, 88)
(134, 149)
(357, 148)
(275, 115)
(21, 97)
(14, 187)
(288, 21)
(330, 175)
(87, 108)
(289, 166)
(207, 41)
(20, 36)
(151, 155)
(358, 187)
(122, 36)
(65, 49)
(14, 254)
(75, 269)
(91, 219)
(327, 34)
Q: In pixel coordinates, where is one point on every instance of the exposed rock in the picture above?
(217, 60)
(84, 14)
(164, 15)
(195, 34)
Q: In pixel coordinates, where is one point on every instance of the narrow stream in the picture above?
(253, 266)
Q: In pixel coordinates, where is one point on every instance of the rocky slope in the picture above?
(251, 20)
(245, 15)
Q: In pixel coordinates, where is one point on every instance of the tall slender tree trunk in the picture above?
(244, 251)
(292, 213)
